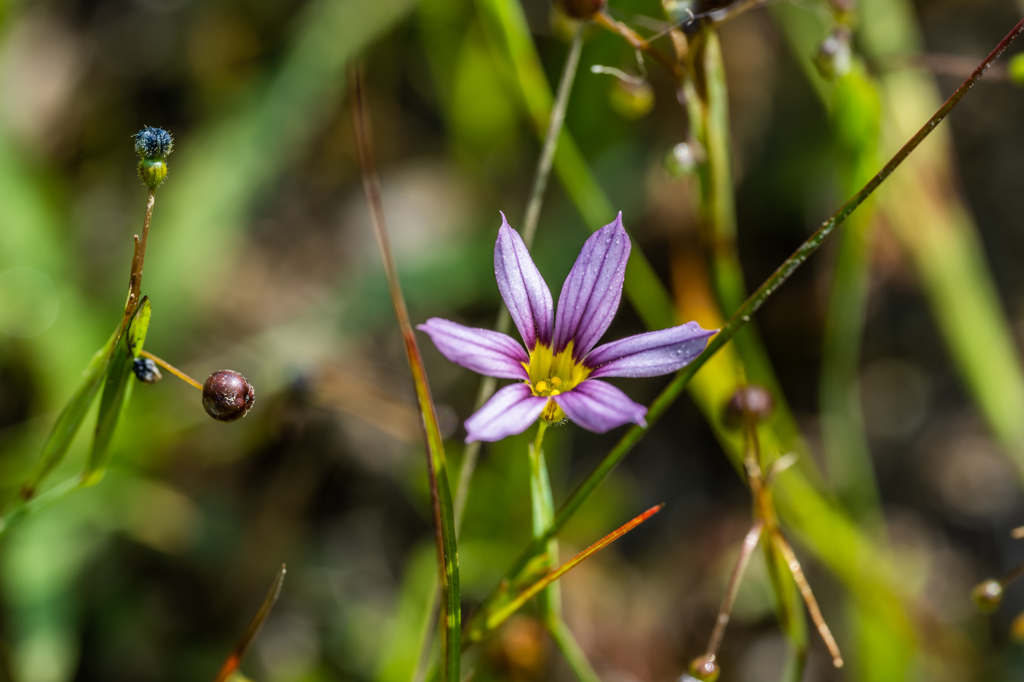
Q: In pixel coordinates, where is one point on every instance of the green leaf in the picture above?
(117, 392)
(70, 419)
(138, 327)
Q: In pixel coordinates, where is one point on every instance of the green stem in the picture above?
(749, 307)
(550, 599)
(437, 469)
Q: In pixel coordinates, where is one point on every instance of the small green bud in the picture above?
(1015, 69)
(682, 159)
(834, 56)
(632, 100)
(152, 172)
(987, 596)
(153, 143)
(704, 668)
(757, 400)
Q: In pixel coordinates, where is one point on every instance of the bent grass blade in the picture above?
(492, 620)
(117, 393)
(242, 645)
(437, 468)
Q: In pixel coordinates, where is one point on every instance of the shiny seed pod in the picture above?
(705, 668)
(153, 172)
(987, 596)
(227, 396)
(754, 399)
(146, 371)
(580, 9)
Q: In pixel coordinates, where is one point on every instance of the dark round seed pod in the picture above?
(153, 143)
(153, 172)
(754, 399)
(227, 396)
(146, 371)
(987, 596)
(580, 9)
(704, 668)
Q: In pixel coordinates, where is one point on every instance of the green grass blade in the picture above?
(117, 393)
(71, 417)
(437, 467)
(242, 645)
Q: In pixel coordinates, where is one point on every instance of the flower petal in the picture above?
(590, 296)
(523, 289)
(484, 351)
(651, 354)
(509, 411)
(598, 406)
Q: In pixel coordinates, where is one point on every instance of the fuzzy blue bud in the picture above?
(153, 143)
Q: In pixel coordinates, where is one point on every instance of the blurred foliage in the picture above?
(262, 259)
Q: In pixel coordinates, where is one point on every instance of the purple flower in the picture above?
(558, 372)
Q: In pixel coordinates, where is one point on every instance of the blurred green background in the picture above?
(262, 260)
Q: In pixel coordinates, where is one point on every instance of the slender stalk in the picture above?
(733, 589)
(139, 259)
(750, 306)
(573, 653)
(440, 493)
(172, 369)
(782, 544)
(242, 645)
(550, 600)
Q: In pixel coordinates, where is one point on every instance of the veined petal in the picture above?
(591, 294)
(523, 289)
(484, 351)
(509, 411)
(598, 406)
(651, 354)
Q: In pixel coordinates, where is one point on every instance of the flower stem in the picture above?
(139, 258)
(735, 578)
(550, 599)
(172, 369)
(437, 470)
(668, 396)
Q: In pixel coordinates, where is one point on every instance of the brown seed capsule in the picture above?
(580, 9)
(227, 396)
(757, 400)
(987, 596)
(704, 668)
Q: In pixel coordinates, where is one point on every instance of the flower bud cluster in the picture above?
(153, 145)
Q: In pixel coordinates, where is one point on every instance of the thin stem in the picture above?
(733, 588)
(805, 591)
(139, 259)
(547, 154)
(749, 307)
(639, 43)
(172, 369)
(437, 474)
(242, 645)
(573, 653)
(1012, 576)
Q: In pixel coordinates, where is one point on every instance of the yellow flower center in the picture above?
(551, 375)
